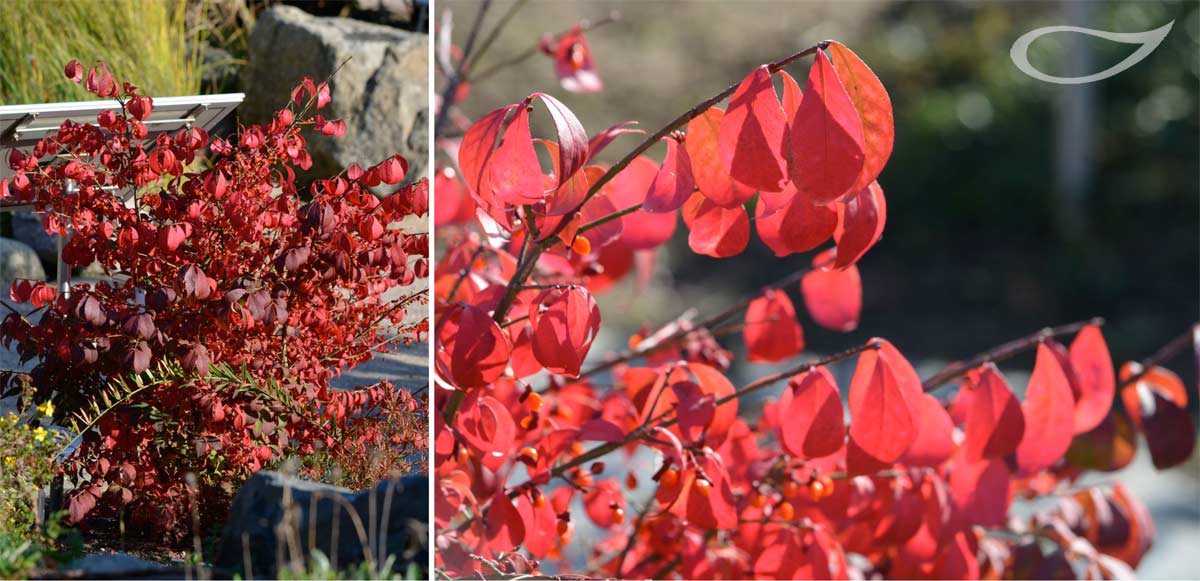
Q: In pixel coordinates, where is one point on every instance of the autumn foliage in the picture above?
(230, 295)
(904, 479)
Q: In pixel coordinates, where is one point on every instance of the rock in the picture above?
(406, 14)
(261, 522)
(27, 227)
(380, 91)
(18, 260)
(110, 566)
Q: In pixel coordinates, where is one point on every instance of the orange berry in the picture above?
(618, 514)
(669, 478)
(539, 499)
(816, 490)
(827, 482)
(533, 402)
(577, 448)
(703, 487)
(529, 422)
(758, 499)
(786, 511)
(582, 245)
(789, 489)
(564, 527)
(631, 481)
(528, 455)
(634, 341)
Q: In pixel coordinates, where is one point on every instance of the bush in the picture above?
(231, 301)
(905, 479)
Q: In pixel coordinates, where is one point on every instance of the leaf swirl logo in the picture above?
(1149, 40)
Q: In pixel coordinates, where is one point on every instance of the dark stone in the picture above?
(276, 521)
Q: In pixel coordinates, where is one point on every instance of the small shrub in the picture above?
(232, 299)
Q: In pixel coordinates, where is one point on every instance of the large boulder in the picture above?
(381, 91)
(276, 520)
(19, 260)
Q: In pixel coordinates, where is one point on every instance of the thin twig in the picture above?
(662, 420)
(454, 80)
(1164, 354)
(1005, 351)
(709, 323)
(536, 47)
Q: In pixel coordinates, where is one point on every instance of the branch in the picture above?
(520, 57)
(454, 80)
(524, 270)
(661, 420)
(1164, 354)
(1006, 351)
(709, 323)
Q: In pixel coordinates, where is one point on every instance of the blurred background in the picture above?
(1013, 203)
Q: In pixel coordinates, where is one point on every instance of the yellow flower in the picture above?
(10, 461)
(46, 409)
(39, 435)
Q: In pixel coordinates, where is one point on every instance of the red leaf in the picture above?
(792, 95)
(599, 141)
(74, 71)
(874, 110)
(540, 526)
(994, 422)
(1157, 404)
(935, 436)
(826, 137)
(572, 139)
(642, 230)
(82, 504)
(717, 509)
(811, 423)
(487, 427)
(772, 332)
(798, 226)
(1094, 377)
(982, 489)
(504, 525)
(860, 224)
(753, 132)
(695, 410)
(513, 169)
(833, 297)
(715, 231)
(565, 323)
(600, 500)
(673, 184)
(882, 422)
(472, 351)
(1049, 410)
(476, 151)
(704, 152)
(1108, 447)
(573, 63)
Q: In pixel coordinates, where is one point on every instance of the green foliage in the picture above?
(27, 465)
(320, 568)
(150, 40)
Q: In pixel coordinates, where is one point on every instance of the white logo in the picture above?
(1148, 40)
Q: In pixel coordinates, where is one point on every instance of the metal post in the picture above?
(64, 271)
